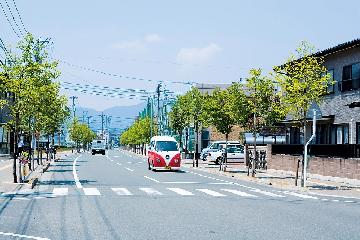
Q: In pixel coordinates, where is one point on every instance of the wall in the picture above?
(334, 167)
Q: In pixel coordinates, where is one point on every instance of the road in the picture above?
(116, 197)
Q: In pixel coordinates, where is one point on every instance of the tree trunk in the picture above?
(15, 155)
(303, 161)
(226, 146)
(253, 172)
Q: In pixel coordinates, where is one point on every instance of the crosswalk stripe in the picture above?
(181, 191)
(267, 193)
(299, 195)
(237, 192)
(122, 191)
(60, 191)
(211, 192)
(151, 191)
(91, 191)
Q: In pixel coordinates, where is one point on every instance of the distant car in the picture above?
(214, 147)
(98, 146)
(234, 154)
(164, 154)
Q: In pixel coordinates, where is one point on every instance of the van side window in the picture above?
(215, 146)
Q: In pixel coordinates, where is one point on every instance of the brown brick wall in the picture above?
(334, 167)
(233, 136)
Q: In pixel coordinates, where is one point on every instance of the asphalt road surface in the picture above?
(116, 197)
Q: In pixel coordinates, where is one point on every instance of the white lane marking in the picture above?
(77, 182)
(60, 191)
(140, 162)
(5, 167)
(211, 192)
(237, 192)
(122, 191)
(118, 164)
(151, 191)
(129, 162)
(181, 182)
(299, 195)
(129, 169)
(152, 179)
(349, 201)
(20, 192)
(221, 183)
(91, 191)
(181, 191)
(22, 236)
(335, 200)
(116, 156)
(267, 193)
(324, 199)
(20, 198)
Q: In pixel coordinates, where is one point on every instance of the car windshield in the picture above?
(235, 150)
(166, 146)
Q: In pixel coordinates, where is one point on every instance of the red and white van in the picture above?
(164, 154)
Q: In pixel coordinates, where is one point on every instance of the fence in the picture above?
(321, 150)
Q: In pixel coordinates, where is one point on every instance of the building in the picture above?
(340, 121)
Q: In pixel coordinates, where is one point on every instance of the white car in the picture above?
(216, 156)
(234, 154)
(214, 147)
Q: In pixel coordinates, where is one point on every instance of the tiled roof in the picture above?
(339, 48)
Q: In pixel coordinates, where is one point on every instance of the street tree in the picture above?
(219, 109)
(303, 81)
(179, 116)
(81, 134)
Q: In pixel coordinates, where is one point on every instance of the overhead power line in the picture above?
(121, 76)
(12, 15)
(17, 10)
(7, 18)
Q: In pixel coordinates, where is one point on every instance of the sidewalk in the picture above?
(6, 174)
(316, 184)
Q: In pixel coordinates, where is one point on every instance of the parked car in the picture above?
(214, 147)
(216, 155)
(234, 154)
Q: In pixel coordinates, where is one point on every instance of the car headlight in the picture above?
(176, 160)
(158, 160)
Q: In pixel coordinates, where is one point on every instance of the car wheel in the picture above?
(149, 167)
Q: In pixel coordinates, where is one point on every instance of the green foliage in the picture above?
(138, 133)
(303, 80)
(179, 114)
(80, 133)
(36, 104)
(220, 110)
(263, 100)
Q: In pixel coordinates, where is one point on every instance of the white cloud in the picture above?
(130, 45)
(152, 38)
(198, 55)
(138, 44)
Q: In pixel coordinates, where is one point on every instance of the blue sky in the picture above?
(200, 41)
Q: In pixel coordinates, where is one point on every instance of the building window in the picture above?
(351, 77)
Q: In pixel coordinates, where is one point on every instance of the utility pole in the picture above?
(88, 120)
(83, 116)
(158, 89)
(73, 98)
(102, 124)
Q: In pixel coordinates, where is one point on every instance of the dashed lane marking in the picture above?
(181, 191)
(151, 191)
(211, 192)
(122, 191)
(267, 193)
(60, 191)
(299, 195)
(237, 192)
(91, 192)
(129, 169)
(152, 179)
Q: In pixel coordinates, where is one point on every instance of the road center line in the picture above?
(152, 179)
(77, 182)
(131, 170)
(22, 236)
